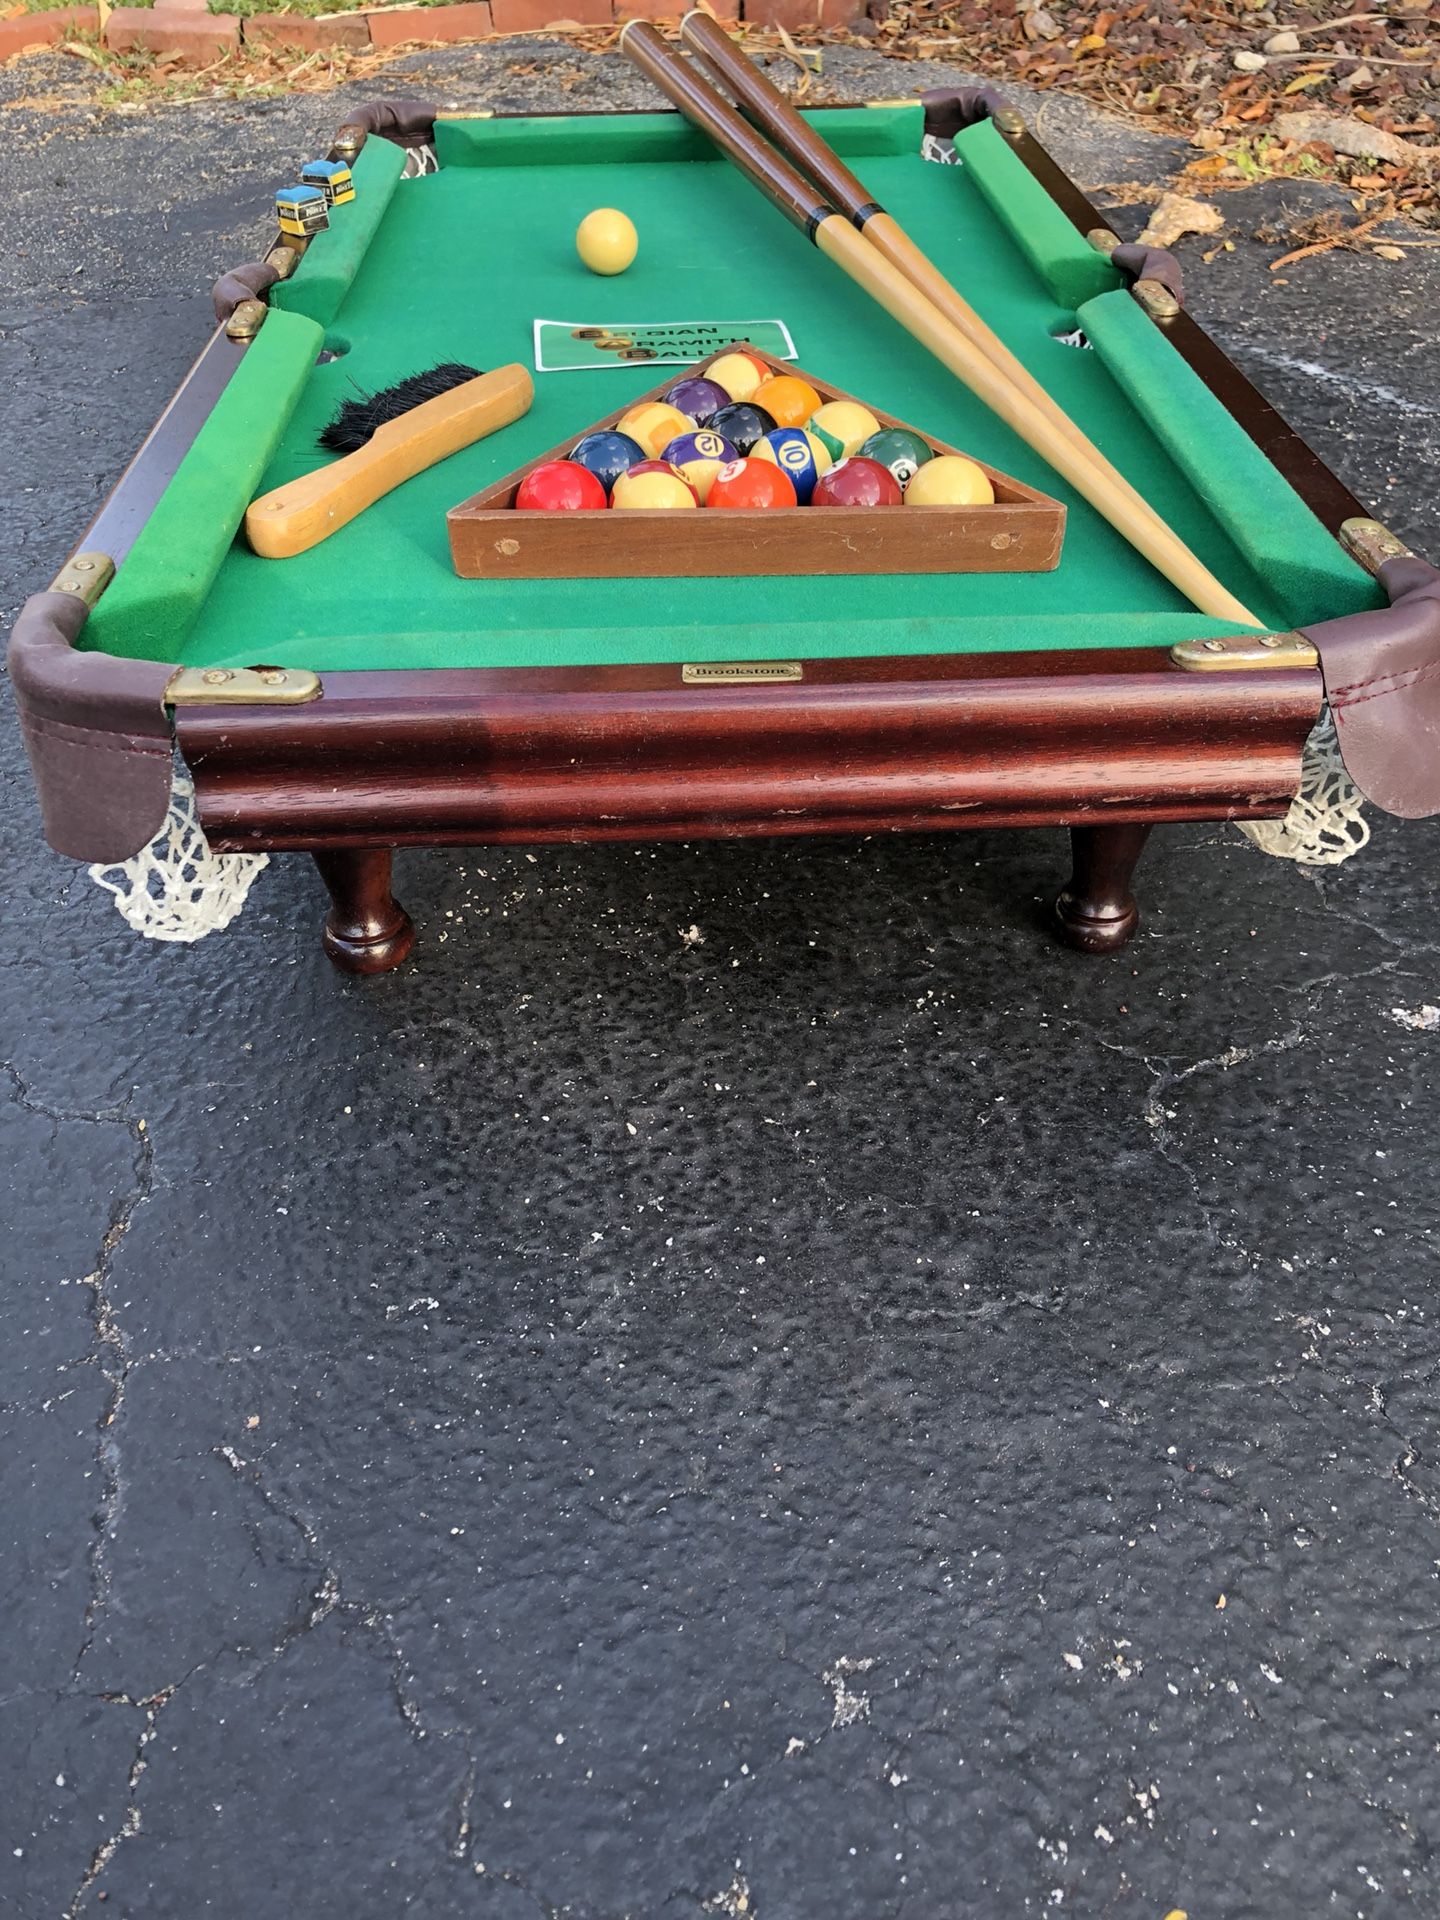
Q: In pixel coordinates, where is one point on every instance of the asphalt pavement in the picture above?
(744, 1380)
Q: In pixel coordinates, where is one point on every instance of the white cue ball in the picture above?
(606, 241)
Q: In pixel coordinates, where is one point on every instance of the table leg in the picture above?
(1097, 911)
(366, 930)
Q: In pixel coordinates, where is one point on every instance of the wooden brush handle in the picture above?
(299, 515)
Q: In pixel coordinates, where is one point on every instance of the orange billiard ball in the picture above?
(752, 483)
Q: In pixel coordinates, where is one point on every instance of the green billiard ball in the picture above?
(903, 452)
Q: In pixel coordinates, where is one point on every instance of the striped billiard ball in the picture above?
(700, 456)
(800, 454)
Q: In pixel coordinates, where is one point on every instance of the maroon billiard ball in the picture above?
(560, 486)
(857, 482)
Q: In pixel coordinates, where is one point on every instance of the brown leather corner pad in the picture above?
(409, 123)
(96, 731)
(1150, 263)
(248, 282)
(948, 109)
(1382, 680)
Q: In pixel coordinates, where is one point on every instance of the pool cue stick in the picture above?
(773, 114)
(862, 262)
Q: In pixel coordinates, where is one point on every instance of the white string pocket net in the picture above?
(176, 888)
(1326, 823)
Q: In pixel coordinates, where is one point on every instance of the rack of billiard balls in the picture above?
(744, 436)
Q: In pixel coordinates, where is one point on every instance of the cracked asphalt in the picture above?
(861, 1413)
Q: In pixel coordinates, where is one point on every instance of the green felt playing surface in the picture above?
(457, 265)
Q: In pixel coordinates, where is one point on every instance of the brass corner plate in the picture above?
(1103, 240)
(1372, 543)
(246, 321)
(348, 141)
(739, 673)
(1244, 652)
(242, 686)
(86, 575)
(1009, 121)
(1156, 298)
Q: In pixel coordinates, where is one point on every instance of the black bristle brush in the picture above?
(383, 439)
(355, 420)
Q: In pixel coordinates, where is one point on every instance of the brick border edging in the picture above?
(186, 28)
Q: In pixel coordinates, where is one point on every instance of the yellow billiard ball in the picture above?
(606, 240)
(842, 425)
(654, 426)
(950, 480)
(738, 374)
(654, 486)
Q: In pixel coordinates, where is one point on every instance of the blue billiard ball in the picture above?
(607, 455)
(794, 451)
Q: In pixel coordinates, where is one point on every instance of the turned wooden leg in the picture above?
(1097, 911)
(366, 930)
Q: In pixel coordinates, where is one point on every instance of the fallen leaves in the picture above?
(1351, 136)
(1178, 214)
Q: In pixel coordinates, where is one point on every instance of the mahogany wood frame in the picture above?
(1105, 742)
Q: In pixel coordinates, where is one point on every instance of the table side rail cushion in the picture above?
(562, 140)
(327, 269)
(163, 583)
(1278, 535)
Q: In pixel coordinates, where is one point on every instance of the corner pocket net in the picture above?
(176, 888)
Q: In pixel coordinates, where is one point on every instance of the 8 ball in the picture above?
(742, 423)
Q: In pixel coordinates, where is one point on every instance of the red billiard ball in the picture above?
(857, 482)
(560, 486)
(751, 483)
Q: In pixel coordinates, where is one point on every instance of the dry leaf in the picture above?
(1351, 136)
(1177, 214)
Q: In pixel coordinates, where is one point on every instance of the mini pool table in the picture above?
(397, 704)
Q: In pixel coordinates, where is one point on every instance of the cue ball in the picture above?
(950, 480)
(606, 240)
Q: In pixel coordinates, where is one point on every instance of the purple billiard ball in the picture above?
(699, 398)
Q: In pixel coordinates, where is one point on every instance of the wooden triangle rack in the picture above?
(492, 539)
